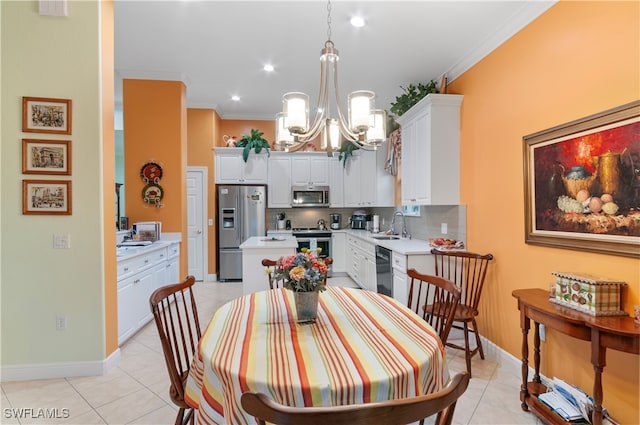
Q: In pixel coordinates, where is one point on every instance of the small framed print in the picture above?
(44, 115)
(46, 197)
(46, 157)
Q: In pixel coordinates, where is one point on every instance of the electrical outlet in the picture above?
(210, 222)
(543, 333)
(444, 228)
(61, 323)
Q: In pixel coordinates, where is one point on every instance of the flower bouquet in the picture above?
(302, 272)
(305, 274)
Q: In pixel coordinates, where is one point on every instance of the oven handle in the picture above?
(306, 239)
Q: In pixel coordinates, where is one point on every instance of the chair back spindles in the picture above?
(176, 316)
(468, 271)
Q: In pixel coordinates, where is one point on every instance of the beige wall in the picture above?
(38, 282)
(577, 59)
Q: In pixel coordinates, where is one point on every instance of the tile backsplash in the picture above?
(426, 226)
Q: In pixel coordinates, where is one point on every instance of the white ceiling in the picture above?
(218, 48)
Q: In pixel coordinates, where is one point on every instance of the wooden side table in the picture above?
(616, 332)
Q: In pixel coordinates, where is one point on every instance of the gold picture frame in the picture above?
(46, 157)
(46, 197)
(582, 184)
(46, 115)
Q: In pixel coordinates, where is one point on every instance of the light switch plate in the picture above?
(444, 228)
(62, 241)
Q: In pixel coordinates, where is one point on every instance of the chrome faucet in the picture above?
(393, 223)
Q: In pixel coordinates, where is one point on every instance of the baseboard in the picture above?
(505, 357)
(59, 370)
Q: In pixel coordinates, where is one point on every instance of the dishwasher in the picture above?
(383, 271)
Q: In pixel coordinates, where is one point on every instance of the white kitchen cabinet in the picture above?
(338, 251)
(366, 182)
(231, 168)
(423, 263)
(138, 276)
(430, 166)
(362, 265)
(279, 188)
(336, 182)
(309, 169)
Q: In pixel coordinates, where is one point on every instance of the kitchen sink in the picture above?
(386, 237)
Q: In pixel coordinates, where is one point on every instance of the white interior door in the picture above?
(196, 221)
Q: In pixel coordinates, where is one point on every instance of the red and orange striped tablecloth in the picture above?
(363, 347)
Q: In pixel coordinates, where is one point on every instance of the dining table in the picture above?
(363, 347)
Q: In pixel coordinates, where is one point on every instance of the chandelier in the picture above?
(364, 126)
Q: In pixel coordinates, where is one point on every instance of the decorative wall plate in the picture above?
(152, 193)
(151, 172)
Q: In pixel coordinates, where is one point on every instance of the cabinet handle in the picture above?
(136, 281)
(126, 269)
(168, 265)
(161, 255)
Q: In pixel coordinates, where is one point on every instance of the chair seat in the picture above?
(463, 313)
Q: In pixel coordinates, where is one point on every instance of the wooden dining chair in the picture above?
(468, 271)
(392, 412)
(435, 300)
(176, 316)
(279, 283)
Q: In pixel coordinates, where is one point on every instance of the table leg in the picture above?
(599, 361)
(524, 393)
(536, 352)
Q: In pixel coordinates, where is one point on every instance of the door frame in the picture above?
(205, 233)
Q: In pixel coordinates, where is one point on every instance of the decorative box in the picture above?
(595, 295)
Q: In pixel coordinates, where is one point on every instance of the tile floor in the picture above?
(136, 391)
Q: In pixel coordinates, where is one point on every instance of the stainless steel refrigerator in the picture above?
(241, 214)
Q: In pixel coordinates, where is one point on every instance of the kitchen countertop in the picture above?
(403, 246)
(269, 242)
(126, 252)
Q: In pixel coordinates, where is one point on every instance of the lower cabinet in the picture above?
(423, 263)
(138, 277)
(338, 251)
(361, 266)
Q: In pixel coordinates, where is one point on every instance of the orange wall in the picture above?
(108, 179)
(202, 128)
(577, 59)
(237, 128)
(155, 129)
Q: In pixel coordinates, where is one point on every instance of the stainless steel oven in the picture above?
(310, 196)
(314, 238)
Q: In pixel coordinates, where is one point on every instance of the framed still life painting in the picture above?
(582, 184)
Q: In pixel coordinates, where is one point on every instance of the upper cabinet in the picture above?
(430, 164)
(366, 182)
(309, 169)
(279, 189)
(231, 168)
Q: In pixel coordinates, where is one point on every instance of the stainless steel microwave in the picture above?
(310, 196)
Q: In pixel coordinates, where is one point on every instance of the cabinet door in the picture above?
(338, 251)
(144, 286)
(422, 160)
(319, 170)
(352, 189)
(256, 168)
(280, 182)
(307, 170)
(400, 286)
(127, 323)
(336, 182)
(160, 276)
(229, 168)
(408, 164)
(172, 273)
(368, 177)
(371, 281)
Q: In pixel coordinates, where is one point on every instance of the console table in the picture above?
(616, 332)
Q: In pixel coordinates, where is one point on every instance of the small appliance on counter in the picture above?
(287, 225)
(335, 220)
(322, 225)
(281, 223)
(359, 220)
(146, 231)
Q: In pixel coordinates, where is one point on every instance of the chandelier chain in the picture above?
(329, 20)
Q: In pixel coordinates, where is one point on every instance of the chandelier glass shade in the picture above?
(363, 125)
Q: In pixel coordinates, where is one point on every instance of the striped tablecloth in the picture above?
(363, 347)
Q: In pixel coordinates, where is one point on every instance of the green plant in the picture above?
(253, 141)
(412, 95)
(345, 151)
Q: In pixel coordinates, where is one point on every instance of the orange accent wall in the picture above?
(202, 129)
(108, 179)
(237, 128)
(155, 129)
(577, 59)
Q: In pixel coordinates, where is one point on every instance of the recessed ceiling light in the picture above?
(235, 98)
(268, 68)
(357, 21)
